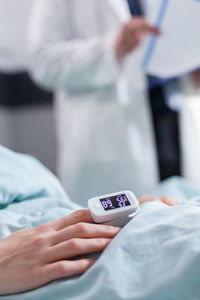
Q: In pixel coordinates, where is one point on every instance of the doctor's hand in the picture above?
(33, 257)
(131, 35)
(170, 201)
(195, 76)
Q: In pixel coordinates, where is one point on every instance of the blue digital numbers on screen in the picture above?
(115, 202)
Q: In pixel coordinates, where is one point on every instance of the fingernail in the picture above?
(116, 229)
(91, 261)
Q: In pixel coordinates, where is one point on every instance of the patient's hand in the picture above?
(33, 257)
(170, 201)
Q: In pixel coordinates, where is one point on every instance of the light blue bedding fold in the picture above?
(155, 257)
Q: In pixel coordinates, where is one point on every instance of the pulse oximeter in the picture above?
(115, 209)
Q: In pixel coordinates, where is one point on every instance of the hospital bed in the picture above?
(155, 257)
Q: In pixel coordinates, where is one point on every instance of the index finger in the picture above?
(170, 201)
(78, 216)
(142, 25)
(151, 29)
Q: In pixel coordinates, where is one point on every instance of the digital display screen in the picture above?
(115, 202)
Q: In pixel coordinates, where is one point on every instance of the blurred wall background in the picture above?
(26, 112)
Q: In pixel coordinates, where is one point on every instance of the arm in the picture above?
(60, 60)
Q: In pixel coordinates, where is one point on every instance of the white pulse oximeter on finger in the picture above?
(115, 209)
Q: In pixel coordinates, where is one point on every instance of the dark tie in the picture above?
(165, 120)
(135, 7)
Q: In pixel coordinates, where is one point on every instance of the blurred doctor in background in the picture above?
(87, 51)
(14, 18)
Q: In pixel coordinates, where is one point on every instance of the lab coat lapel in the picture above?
(120, 7)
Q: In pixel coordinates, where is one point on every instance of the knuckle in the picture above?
(42, 228)
(82, 227)
(75, 244)
(82, 264)
(79, 214)
(38, 242)
(102, 243)
(62, 268)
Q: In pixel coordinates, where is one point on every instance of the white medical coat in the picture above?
(14, 16)
(104, 125)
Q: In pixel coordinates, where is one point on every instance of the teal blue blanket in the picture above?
(155, 257)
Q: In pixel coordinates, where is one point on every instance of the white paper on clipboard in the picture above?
(177, 50)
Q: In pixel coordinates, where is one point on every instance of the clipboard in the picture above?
(164, 56)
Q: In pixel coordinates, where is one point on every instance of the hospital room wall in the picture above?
(6, 132)
(26, 112)
(30, 130)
